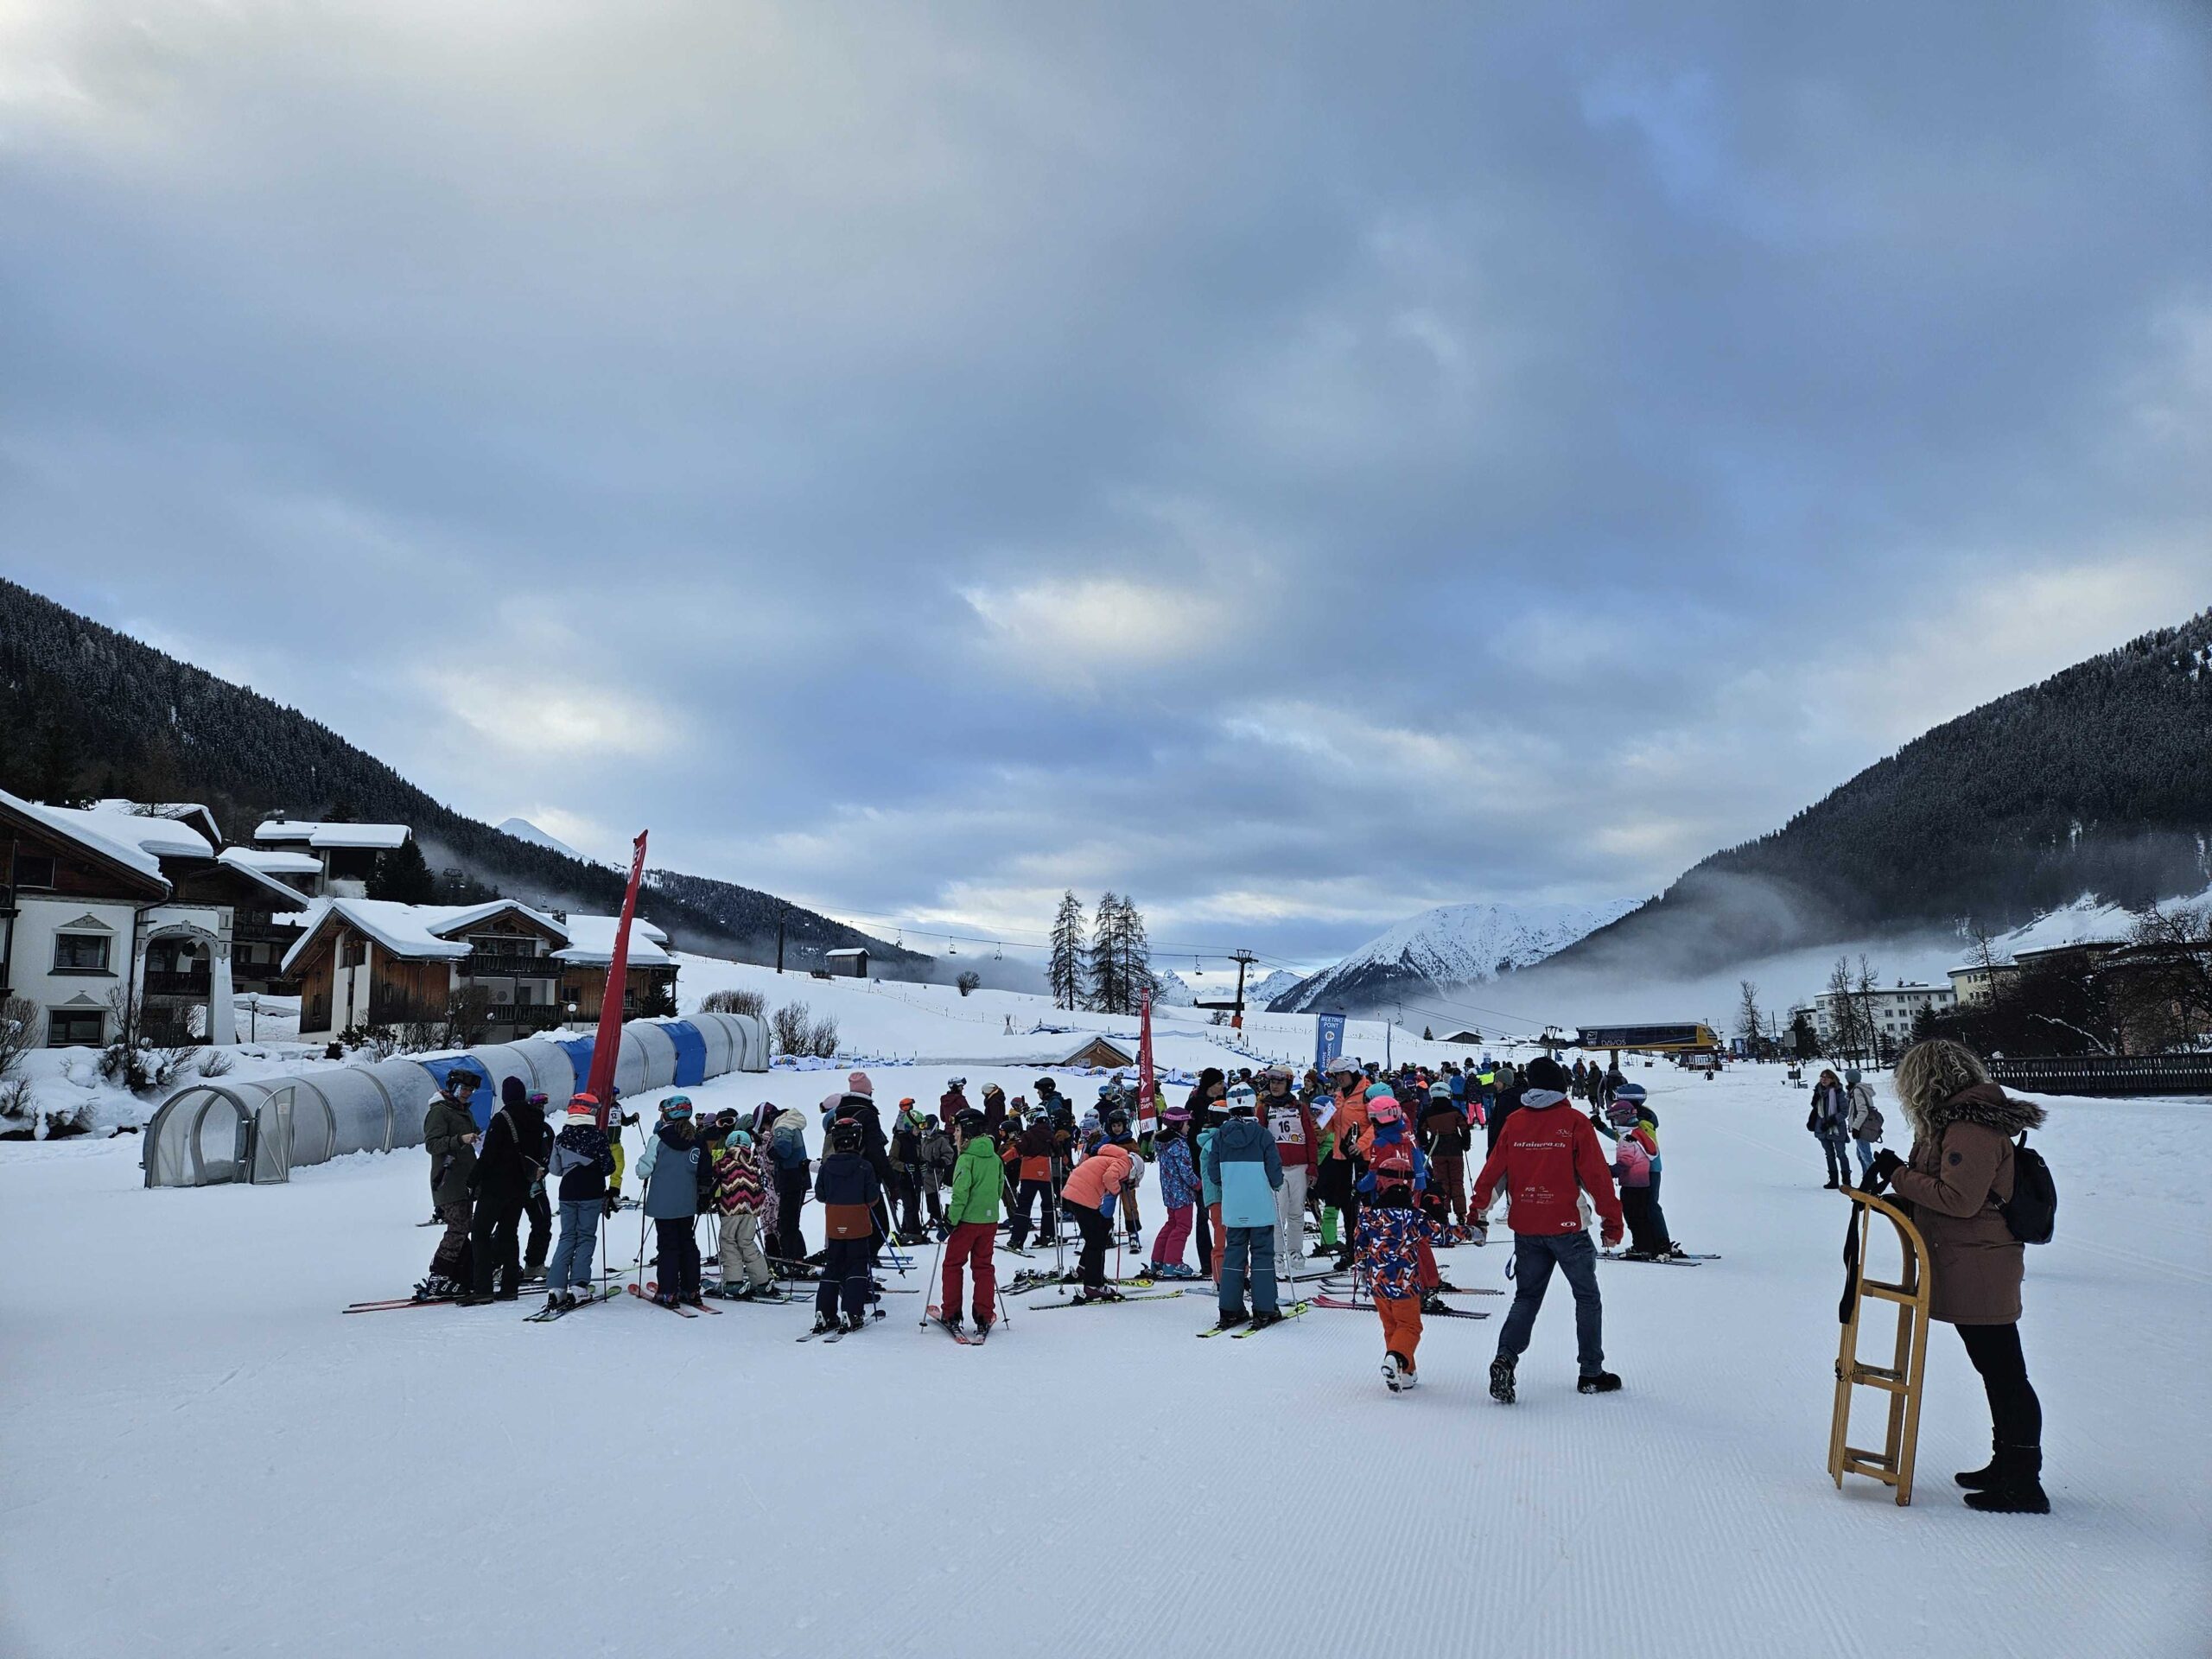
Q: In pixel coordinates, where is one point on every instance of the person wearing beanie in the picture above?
(1242, 1162)
(679, 1179)
(512, 1160)
(1178, 1193)
(858, 1103)
(1547, 1155)
(579, 1164)
(743, 1199)
(451, 1136)
(977, 1178)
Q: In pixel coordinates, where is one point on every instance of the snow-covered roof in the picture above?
(77, 827)
(418, 932)
(591, 942)
(846, 951)
(191, 812)
(159, 836)
(271, 862)
(380, 836)
(246, 863)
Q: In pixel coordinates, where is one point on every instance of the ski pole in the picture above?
(931, 1280)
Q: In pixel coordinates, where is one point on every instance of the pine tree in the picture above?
(1067, 970)
(1138, 981)
(1108, 989)
(403, 874)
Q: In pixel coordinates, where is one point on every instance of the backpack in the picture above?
(1870, 1126)
(1391, 1161)
(2032, 1214)
(787, 1146)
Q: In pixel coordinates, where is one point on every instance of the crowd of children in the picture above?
(1376, 1165)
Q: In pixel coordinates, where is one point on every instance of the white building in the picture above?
(118, 906)
(1889, 1010)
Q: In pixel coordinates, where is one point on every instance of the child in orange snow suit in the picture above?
(1395, 1248)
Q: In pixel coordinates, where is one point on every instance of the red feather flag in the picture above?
(607, 1048)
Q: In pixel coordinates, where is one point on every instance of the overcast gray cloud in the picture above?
(1294, 464)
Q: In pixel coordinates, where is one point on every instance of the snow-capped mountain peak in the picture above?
(1452, 945)
(523, 829)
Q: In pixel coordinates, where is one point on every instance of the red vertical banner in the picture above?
(1148, 1089)
(607, 1048)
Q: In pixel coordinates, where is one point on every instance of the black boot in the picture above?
(2016, 1488)
(1981, 1480)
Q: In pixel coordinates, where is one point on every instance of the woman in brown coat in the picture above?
(1959, 1172)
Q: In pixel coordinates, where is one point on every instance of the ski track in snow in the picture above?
(208, 1459)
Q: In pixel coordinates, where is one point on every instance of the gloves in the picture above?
(1611, 1233)
(614, 1203)
(1886, 1164)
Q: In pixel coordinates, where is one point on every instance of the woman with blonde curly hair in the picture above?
(1960, 1174)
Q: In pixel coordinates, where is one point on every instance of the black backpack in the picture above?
(2032, 1215)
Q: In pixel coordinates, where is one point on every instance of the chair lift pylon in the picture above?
(1900, 1380)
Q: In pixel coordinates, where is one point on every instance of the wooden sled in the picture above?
(1901, 1378)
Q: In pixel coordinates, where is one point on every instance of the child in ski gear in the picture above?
(1036, 1147)
(849, 1190)
(973, 1215)
(1445, 1136)
(1397, 1257)
(1297, 1139)
(938, 1155)
(537, 1208)
(1547, 1155)
(581, 1163)
(1179, 1193)
(1209, 1194)
(1116, 1128)
(450, 1136)
(1242, 1162)
(1091, 1195)
(788, 1160)
(907, 1171)
(740, 1196)
(679, 1179)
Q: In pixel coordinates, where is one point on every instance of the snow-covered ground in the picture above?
(203, 1457)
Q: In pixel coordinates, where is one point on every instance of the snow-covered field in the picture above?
(203, 1457)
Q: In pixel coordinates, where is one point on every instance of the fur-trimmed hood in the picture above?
(1985, 1103)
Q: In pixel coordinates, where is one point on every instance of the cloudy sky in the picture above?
(1297, 465)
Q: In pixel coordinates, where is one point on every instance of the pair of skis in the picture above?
(1104, 1301)
(965, 1339)
(650, 1292)
(841, 1332)
(1238, 1330)
(547, 1315)
(1685, 1259)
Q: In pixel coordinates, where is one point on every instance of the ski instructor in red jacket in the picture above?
(1547, 1156)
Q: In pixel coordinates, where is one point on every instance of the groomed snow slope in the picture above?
(203, 1457)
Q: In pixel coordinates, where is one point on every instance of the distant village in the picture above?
(135, 921)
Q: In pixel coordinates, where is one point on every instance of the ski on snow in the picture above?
(390, 1302)
(841, 1333)
(1102, 1301)
(1340, 1304)
(654, 1290)
(547, 1315)
(1687, 1259)
(674, 1307)
(1248, 1329)
(964, 1338)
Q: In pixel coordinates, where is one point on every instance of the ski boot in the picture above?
(1393, 1371)
(825, 1323)
(855, 1322)
(553, 1301)
(1262, 1320)
(1501, 1378)
(1433, 1302)
(1105, 1294)
(951, 1322)
(568, 1300)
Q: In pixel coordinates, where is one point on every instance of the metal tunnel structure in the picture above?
(221, 1130)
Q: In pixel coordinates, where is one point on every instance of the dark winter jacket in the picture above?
(510, 1159)
(1444, 1128)
(937, 1157)
(453, 1161)
(1961, 1170)
(874, 1148)
(581, 1161)
(848, 1187)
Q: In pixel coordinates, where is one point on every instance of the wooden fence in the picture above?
(2103, 1074)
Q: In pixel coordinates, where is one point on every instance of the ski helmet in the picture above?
(1380, 1091)
(1116, 1123)
(676, 1106)
(972, 1122)
(845, 1135)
